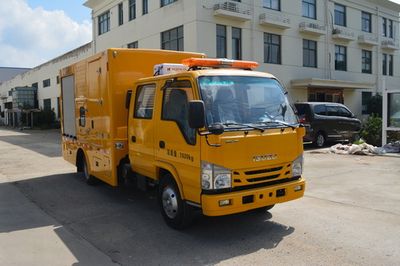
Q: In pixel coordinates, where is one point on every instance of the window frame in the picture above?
(306, 5)
(120, 13)
(103, 23)
(46, 83)
(221, 40)
(237, 42)
(366, 60)
(269, 4)
(342, 14)
(132, 9)
(366, 21)
(309, 51)
(145, 7)
(137, 94)
(268, 44)
(166, 2)
(179, 39)
(339, 53)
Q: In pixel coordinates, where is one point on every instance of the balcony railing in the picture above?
(312, 28)
(233, 10)
(368, 39)
(275, 20)
(343, 34)
(390, 44)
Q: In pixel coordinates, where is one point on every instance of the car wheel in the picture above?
(320, 140)
(174, 210)
(90, 180)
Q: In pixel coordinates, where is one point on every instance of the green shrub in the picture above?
(371, 131)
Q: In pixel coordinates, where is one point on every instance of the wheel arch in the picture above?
(164, 169)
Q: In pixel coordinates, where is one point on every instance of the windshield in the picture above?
(236, 101)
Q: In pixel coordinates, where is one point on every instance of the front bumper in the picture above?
(242, 201)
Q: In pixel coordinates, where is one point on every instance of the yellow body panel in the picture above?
(101, 83)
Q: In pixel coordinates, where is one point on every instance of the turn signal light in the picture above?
(219, 62)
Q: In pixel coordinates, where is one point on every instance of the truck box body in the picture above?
(94, 116)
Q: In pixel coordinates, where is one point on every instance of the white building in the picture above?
(322, 50)
(45, 78)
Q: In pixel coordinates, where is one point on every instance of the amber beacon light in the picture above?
(219, 62)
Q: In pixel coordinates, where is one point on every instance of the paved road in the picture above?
(48, 216)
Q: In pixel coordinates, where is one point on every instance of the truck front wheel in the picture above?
(175, 211)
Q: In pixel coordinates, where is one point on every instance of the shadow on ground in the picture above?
(45, 142)
(127, 225)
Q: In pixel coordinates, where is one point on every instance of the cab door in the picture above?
(176, 144)
(141, 131)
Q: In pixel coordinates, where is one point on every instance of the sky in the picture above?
(33, 32)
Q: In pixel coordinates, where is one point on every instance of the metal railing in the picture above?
(310, 25)
(275, 18)
(231, 6)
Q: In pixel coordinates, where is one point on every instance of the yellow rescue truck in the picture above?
(210, 134)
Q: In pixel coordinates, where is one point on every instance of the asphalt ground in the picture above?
(350, 215)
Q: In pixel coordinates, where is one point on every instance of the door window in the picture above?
(320, 109)
(332, 110)
(344, 112)
(176, 108)
(144, 103)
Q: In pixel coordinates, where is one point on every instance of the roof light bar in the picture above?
(219, 62)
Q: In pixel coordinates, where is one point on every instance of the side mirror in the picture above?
(196, 114)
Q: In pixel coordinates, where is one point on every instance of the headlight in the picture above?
(297, 166)
(215, 177)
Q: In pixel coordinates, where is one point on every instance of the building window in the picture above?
(310, 9)
(384, 27)
(132, 9)
(47, 104)
(309, 53)
(366, 60)
(340, 58)
(365, 98)
(166, 2)
(35, 85)
(384, 64)
(387, 64)
(120, 14)
(58, 79)
(390, 62)
(390, 28)
(236, 43)
(58, 108)
(145, 7)
(366, 22)
(272, 48)
(133, 44)
(272, 4)
(104, 22)
(172, 39)
(221, 41)
(46, 83)
(340, 15)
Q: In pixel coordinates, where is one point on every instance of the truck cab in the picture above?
(218, 137)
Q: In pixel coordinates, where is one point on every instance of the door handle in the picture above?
(133, 139)
(161, 144)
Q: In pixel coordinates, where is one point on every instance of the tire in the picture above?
(320, 140)
(176, 213)
(90, 180)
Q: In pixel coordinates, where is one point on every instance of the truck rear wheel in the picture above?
(90, 180)
(175, 211)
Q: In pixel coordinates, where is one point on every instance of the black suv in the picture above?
(327, 122)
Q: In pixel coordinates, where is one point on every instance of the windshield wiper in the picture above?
(293, 126)
(243, 125)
